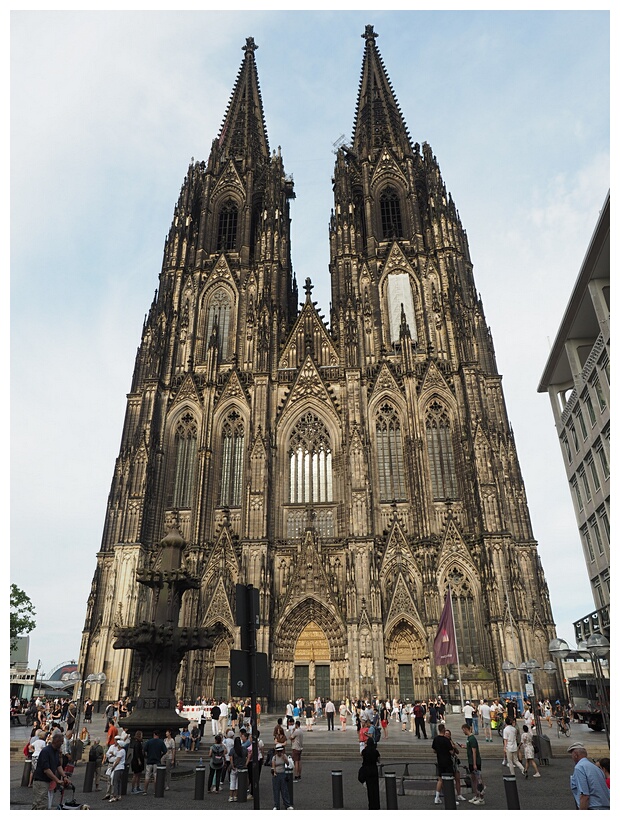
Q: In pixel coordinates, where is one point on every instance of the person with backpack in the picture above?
(418, 717)
(217, 756)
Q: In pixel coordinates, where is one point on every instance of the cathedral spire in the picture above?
(243, 134)
(378, 120)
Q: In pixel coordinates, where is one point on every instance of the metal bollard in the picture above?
(337, 801)
(449, 794)
(391, 800)
(289, 784)
(26, 772)
(199, 785)
(512, 795)
(160, 781)
(242, 785)
(89, 775)
(124, 780)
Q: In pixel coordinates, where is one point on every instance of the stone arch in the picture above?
(294, 671)
(217, 291)
(407, 662)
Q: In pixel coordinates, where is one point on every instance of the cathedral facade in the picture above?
(352, 471)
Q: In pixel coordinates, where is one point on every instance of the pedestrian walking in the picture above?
(474, 764)
(370, 759)
(527, 748)
(217, 756)
(442, 746)
(511, 747)
(279, 764)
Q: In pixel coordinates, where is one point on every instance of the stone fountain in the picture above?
(159, 644)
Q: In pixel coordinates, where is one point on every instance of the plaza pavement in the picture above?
(325, 752)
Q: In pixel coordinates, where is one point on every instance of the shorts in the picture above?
(384, 723)
(233, 779)
(150, 771)
(486, 723)
(296, 754)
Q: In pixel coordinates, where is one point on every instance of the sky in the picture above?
(107, 111)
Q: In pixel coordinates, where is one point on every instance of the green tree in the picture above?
(22, 614)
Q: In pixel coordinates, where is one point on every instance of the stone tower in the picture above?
(350, 472)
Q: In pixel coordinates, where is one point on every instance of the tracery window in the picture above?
(390, 462)
(464, 620)
(391, 222)
(227, 227)
(232, 460)
(185, 442)
(310, 456)
(440, 452)
(218, 317)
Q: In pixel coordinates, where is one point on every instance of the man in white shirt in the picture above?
(511, 747)
(484, 710)
(223, 718)
(329, 714)
(468, 714)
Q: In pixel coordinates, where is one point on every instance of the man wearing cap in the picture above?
(468, 714)
(587, 781)
(118, 764)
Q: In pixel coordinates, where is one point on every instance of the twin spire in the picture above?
(243, 134)
(378, 119)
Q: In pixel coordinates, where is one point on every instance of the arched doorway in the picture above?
(407, 663)
(311, 661)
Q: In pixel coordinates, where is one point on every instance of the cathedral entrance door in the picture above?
(405, 681)
(312, 658)
(220, 683)
(321, 680)
(302, 683)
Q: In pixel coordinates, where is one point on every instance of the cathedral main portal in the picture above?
(407, 663)
(312, 663)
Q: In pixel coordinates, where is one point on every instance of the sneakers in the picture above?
(536, 775)
(289, 808)
(230, 799)
(438, 800)
(474, 799)
(479, 801)
(461, 798)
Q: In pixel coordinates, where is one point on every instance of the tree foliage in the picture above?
(22, 614)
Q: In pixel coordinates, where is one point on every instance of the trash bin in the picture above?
(542, 747)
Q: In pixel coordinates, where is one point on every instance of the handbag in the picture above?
(361, 775)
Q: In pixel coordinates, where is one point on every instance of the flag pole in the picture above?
(456, 646)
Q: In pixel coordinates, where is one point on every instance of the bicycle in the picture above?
(563, 727)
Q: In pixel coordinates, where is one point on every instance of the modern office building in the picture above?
(577, 378)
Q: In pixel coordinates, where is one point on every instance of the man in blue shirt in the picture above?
(587, 781)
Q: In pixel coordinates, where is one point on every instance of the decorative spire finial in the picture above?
(308, 288)
(369, 33)
(250, 45)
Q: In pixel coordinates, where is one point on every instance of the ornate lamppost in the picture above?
(97, 677)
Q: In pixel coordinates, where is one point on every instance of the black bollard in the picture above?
(337, 801)
(449, 795)
(199, 785)
(288, 771)
(160, 781)
(512, 795)
(124, 780)
(391, 800)
(89, 775)
(242, 785)
(26, 772)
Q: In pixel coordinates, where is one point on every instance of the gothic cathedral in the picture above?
(351, 471)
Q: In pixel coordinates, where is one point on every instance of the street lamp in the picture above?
(98, 677)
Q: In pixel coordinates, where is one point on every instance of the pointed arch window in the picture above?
(218, 318)
(310, 458)
(232, 460)
(390, 462)
(440, 452)
(185, 445)
(464, 619)
(227, 226)
(391, 222)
